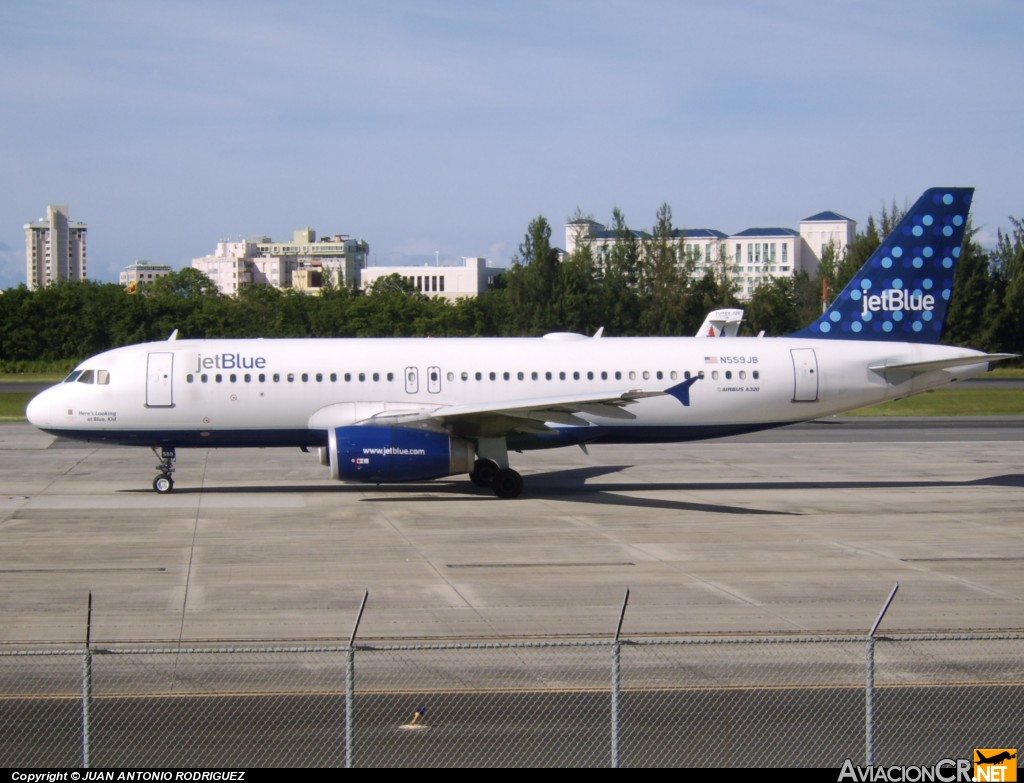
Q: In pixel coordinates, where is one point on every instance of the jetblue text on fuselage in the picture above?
(230, 361)
(896, 299)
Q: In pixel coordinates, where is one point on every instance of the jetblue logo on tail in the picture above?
(896, 299)
(902, 292)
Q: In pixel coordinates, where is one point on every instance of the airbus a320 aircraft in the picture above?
(407, 410)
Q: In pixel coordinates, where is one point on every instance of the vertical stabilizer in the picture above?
(902, 292)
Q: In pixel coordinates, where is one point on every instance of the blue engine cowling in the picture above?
(394, 454)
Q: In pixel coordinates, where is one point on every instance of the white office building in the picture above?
(304, 264)
(142, 272)
(54, 248)
(473, 278)
(748, 258)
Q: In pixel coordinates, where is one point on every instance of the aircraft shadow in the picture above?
(571, 485)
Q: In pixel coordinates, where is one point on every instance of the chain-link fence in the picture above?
(704, 702)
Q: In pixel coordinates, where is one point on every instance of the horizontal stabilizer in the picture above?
(941, 364)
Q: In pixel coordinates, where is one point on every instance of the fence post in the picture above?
(350, 686)
(87, 685)
(869, 693)
(616, 648)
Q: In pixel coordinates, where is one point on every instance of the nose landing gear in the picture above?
(164, 483)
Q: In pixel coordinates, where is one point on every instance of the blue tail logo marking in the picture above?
(902, 292)
(681, 391)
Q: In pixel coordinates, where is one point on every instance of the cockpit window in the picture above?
(89, 376)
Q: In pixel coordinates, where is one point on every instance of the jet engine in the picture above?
(379, 455)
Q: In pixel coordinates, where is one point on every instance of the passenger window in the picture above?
(728, 375)
(506, 376)
(465, 375)
(391, 376)
(493, 376)
(673, 375)
(233, 378)
(348, 377)
(647, 375)
(334, 377)
(479, 376)
(319, 377)
(576, 375)
(376, 377)
(686, 375)
(305, 377)
(604, 375)
(714, 375)
(362, 376)
(248, 378)
(520, 376)
(561, 376)
(204, 378)
(277, 377)
(743, 375)
(547, 375)
(756, 374)
(189, 378)
(451, 376)
(590, 376)
(291, 377)
(658, 375)
(534, 376)
(632, 375)
(262, 377)
(218, 378)
(618, 375)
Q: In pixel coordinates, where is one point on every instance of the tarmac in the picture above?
(800, 530)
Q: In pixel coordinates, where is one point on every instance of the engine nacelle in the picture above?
(381, 455)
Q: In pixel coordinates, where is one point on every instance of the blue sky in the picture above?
(447, 126)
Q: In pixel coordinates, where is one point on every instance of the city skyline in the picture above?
(440, 131)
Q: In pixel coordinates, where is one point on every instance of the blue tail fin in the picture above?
(903, 291)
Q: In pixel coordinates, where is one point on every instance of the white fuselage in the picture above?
(292, 392)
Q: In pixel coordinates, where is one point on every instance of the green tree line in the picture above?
(644, 283)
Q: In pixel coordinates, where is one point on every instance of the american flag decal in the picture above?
(710, 360)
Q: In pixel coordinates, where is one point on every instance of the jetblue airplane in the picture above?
(407, 410)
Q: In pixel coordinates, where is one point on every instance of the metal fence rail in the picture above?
(705, 702)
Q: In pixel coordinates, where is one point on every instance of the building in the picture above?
(141, 272)
(54, 248)
(748, 258)
(304, 264)
(450, 282)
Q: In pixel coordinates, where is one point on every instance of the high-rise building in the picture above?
(54, 248)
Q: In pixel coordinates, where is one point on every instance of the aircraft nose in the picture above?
(37, 410)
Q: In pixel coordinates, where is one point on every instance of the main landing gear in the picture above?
(492, 470)
(505, 482)
(163, 483)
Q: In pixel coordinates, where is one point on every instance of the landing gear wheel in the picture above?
(507, 483)
(484, 471)
(163, 483)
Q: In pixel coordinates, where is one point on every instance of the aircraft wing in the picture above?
(530, 414)
(940, 364)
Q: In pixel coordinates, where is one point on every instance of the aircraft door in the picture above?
(412, 380)
(159, 367)
(434, 380)
(805, 375)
